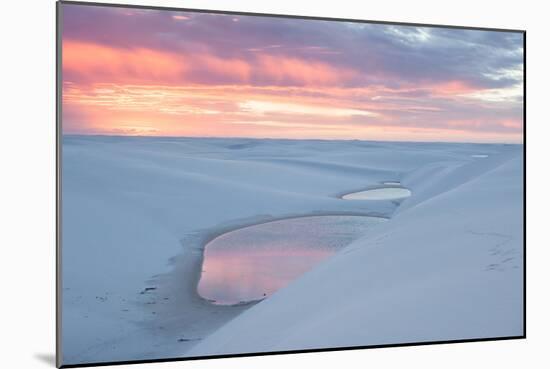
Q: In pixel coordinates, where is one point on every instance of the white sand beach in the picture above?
(137, 213)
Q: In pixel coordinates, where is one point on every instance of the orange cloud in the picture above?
(242, 110)
(180, 17)
(288, 69)
(511, 123)
(235, 67)
(452, 88)
(99, 62)
(85, 61)
(141, 91)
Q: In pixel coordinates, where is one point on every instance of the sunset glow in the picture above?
(166, 73)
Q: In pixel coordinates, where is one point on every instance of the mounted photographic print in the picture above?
(242, 184)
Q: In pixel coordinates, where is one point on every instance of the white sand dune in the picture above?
(137, 212)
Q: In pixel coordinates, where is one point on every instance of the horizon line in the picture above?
(288, 139)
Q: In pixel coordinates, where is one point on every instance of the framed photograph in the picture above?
(233, 183)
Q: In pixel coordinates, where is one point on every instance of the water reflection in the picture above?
(387, 193)
(253, 262)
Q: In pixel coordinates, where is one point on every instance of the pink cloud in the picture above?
(282, 69)
(91, 62)
(98, 63)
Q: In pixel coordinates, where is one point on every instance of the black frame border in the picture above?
(58, 153)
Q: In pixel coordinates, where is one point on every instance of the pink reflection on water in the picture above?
(233, 277)
(253, 262)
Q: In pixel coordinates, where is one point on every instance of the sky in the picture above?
(148, 72)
